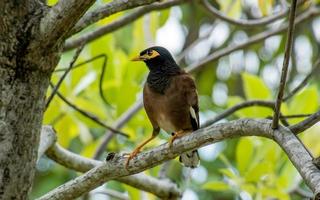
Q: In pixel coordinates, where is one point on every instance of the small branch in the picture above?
(311, 12)
(162, 174)
(88, 115)
(113, 193)
(61, 18)
(123, 119)
(103, 69)
(118, 23)
(230, 111)
(107, 10)
(285, 67)
(305, 124)
(47, 139)
(56, 87)
(242, 22)
(160, 188)
(115, 166)
(316, 161)
(295, 116)
(304, 81)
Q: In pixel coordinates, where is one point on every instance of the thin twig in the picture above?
(55, 89)
(275, 121)
(81, 64)
(305, 124)
(243, 22)
(309, 13)
(103, 69)
(304, 81)
(233, 109)
(87, 114)
(123, 119)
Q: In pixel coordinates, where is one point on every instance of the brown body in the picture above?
(170, 100)
(171, 110)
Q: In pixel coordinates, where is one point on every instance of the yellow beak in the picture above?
(139, 58)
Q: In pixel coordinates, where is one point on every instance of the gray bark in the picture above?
(24, 78)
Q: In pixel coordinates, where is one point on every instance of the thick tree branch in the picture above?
(122, 21)
(62, 17)
(107, 10)
(309, 13)
(243, 22)
(115, 167)
(160, 188)
(285, 67)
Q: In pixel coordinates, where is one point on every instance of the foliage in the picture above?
(249, 168)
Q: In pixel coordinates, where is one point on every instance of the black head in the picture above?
(156, 58)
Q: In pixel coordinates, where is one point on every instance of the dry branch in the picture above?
(115, 167)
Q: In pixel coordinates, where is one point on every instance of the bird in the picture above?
(170, 100)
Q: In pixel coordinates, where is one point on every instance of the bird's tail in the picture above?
(190, 159)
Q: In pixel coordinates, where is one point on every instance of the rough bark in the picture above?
(23, 84)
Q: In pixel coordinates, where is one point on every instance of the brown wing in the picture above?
(192, 99)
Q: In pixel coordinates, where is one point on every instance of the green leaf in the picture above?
(164, 16)
(244, 152)
(258, 171)
(305, 102)
(216, 186)
(254, 87)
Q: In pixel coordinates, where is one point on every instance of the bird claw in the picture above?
(130, 156)
(175, 136)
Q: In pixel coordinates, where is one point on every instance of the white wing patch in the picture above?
(193, 115)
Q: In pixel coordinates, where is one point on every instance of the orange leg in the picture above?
(176, 135)
(137, 150)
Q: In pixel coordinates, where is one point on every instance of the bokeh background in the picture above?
(246, 168)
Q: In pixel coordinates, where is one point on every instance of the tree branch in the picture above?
(118, 23)
(89, 115)
(233, 109)
(309, 13)
(107, 10)
(285, 67)
(47, 140)
(304, 81)
(242, 22)
(64, 75)
(61, 18)
(123, 119)
(305, 124)
(115, 167)
(160, 188)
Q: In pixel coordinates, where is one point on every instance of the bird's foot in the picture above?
(175, 136)
(131, 155)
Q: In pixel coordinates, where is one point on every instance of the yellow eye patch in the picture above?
(147, 56)
(151, 54)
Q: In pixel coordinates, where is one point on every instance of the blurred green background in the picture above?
(246, 168)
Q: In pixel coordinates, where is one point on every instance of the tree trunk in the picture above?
(25, 70)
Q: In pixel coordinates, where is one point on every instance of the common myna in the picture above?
(170, 100)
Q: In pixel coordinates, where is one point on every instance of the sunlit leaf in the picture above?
(254, 87)
(216, 186)
(306, 102)
(244, 152)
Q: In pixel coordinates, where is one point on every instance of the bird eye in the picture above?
(149, 53)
